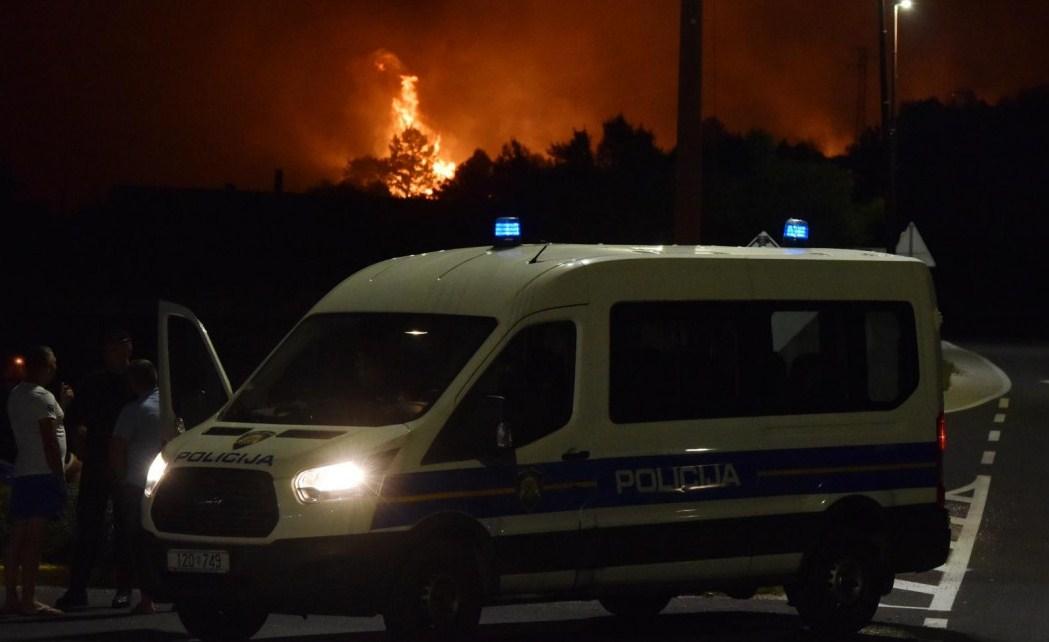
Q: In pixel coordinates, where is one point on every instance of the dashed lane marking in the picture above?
(988, 457)
(1003, 403)
(994, 435)
(999, 418)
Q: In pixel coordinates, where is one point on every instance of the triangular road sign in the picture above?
(763, 240)
(912, 244)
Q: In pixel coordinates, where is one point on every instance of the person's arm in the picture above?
(118, 457)
(76, 418)
(66, 396)
(49, 437)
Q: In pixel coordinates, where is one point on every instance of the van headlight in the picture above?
(155, 473)
(337, 481)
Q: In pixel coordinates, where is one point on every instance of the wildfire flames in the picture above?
(417, 168)
(414, 166)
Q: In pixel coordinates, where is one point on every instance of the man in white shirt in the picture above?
(135, 443)
(38, 490)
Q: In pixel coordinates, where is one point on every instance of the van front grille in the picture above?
(217, 502)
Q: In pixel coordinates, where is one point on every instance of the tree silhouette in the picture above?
(472, 180)
(408, 172)
(575, 153)
(627, 148)
(411, 162)
(368, 173)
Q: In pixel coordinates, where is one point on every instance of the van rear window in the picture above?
(360, 369)
(689, 360)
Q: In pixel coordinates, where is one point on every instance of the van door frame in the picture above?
(165, 311)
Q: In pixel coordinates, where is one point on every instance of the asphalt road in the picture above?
(996, 588)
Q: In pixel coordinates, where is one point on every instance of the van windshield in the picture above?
(361, 369)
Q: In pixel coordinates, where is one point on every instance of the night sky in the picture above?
(208, 93)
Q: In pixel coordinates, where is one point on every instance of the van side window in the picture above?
(675, 360)
(530, 388)
(838, 356)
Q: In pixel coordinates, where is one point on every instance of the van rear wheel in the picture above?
(840, 584)
(438, 596)
(634, 607)
(219, 622)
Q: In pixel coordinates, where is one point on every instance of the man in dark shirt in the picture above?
(99, 400)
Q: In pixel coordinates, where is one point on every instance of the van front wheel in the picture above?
(839, 587)
(438, 596)
(216, 622)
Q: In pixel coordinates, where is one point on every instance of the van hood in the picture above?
(282, 451)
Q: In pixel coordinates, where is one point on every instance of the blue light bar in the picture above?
(796, 230)
(507, 230)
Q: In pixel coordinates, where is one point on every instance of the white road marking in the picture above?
(944, 593)
(958, 562)
(936, 622)
(988, 457)
(999, 418)
(1003, 403)
(994, 435)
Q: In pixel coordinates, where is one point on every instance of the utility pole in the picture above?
(688, 198)
(888, 121)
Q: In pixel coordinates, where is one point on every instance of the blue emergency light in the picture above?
(795, 232)
(507, 230)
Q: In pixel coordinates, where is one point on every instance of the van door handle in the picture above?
(576, 455)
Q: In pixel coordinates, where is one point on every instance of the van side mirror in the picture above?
(493, 411)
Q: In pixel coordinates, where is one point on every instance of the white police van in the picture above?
(544, 422)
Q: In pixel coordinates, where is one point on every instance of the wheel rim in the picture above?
(847, 581)
(442, 599)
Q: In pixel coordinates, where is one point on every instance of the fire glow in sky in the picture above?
(201, 93)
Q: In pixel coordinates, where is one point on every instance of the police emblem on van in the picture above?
(252, 438)
(530, 490)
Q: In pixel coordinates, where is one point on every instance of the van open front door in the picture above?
(193, 384)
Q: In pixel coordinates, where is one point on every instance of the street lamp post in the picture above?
(889, 76)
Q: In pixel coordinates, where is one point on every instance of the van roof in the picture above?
(483, 280)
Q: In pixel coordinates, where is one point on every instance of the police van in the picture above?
(546, 422)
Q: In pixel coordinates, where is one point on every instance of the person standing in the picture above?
(136, 441)
(38, 490)
(14, 374)
(99, 400)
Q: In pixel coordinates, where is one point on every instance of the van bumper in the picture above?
(920, 537)
(345, 575)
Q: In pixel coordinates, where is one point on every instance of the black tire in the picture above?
(438, 596)
(634, 607)
(217, 622)
(839, 587)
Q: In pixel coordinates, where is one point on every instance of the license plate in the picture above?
(193, 560)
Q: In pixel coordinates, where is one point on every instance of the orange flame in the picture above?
(406, 106)
(405, 115)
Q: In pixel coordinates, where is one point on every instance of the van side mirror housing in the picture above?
(494, 414)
